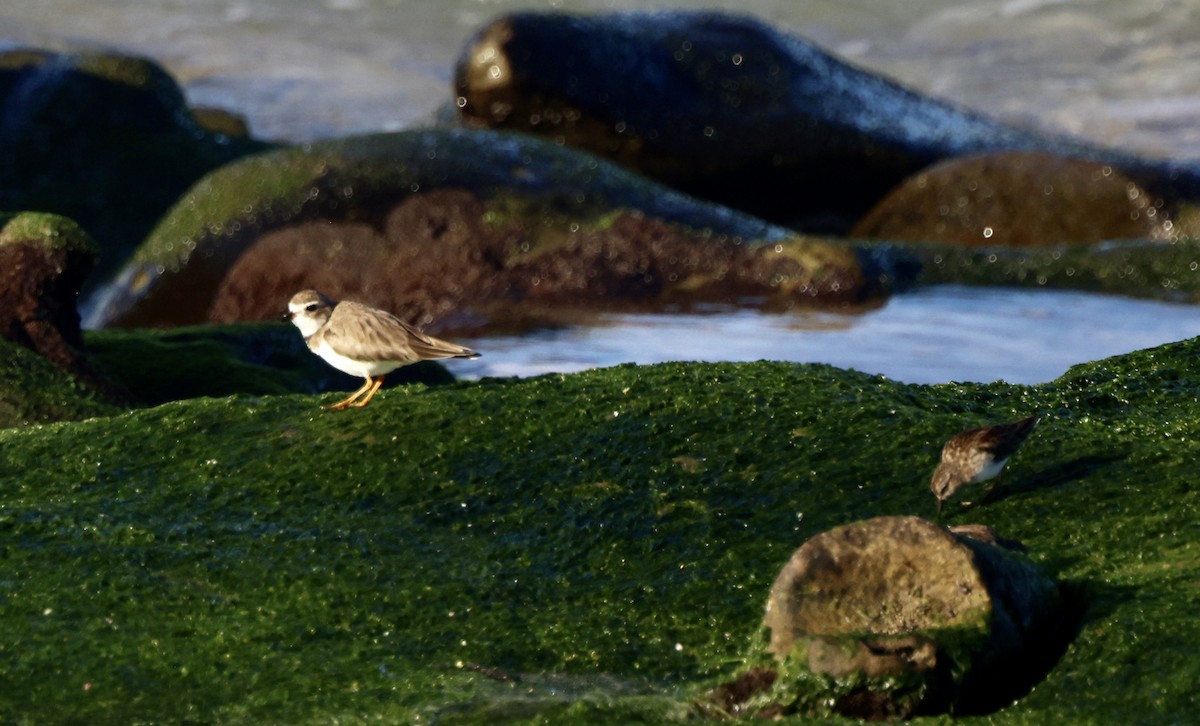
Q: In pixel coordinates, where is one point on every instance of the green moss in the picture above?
(51, 230)
(32, 391)
(220, 360)
(597, 546)
(351, 178)
(1139, 268)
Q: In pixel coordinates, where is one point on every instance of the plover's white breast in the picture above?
(360, 368)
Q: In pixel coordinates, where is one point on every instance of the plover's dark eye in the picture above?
(312, 307)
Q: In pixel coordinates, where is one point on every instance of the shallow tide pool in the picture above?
(934, 335)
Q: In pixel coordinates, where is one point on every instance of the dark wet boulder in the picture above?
(896, 616)
(440, 224)
(1022, 199)
(102, 138)
(731, 109)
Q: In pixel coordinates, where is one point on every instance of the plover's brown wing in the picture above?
(363, 333)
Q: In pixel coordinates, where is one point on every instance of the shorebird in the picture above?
(977, 455)
(363, 341)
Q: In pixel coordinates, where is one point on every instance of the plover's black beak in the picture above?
(288, 315)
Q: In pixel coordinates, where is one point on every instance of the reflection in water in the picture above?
(934, 335)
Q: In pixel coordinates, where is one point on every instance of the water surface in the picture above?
(936, 335)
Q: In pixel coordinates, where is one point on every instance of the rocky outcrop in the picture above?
(895, 616)
(731, 109)
(441, 224)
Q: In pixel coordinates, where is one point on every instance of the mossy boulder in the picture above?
(594, 547)
(44, 260)
(730, 108)
(427, 223)
(103, 138)
(894, 616)
(150, 367)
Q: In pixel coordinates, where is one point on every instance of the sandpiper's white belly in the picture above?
(989, 471)
(360, 368)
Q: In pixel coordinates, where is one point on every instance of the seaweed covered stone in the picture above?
(437, 223)
(44, 260)
(894, 616)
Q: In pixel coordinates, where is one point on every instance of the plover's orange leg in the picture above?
(349, 401)
(370, 394)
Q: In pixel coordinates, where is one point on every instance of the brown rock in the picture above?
(434, 256)
(438, 260)
(1017, 199)
(428, 222)
(910, 575)
(903, 616)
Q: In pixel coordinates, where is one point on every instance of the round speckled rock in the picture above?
(1020, 199)
(901, 615)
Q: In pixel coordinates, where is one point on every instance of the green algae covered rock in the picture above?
(150, 367)
(1138, 268)
(35, 391)
(423, 222)
(594, 547)
(44, 260)
(157, 366)
(894, 616)
(103, 138)
(51, 231)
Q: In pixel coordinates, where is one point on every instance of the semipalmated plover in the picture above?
(977, 455)
(363, 341)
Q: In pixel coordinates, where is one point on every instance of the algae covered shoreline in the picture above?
(588, 547)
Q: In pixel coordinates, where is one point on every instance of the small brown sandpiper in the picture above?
(977, 455)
